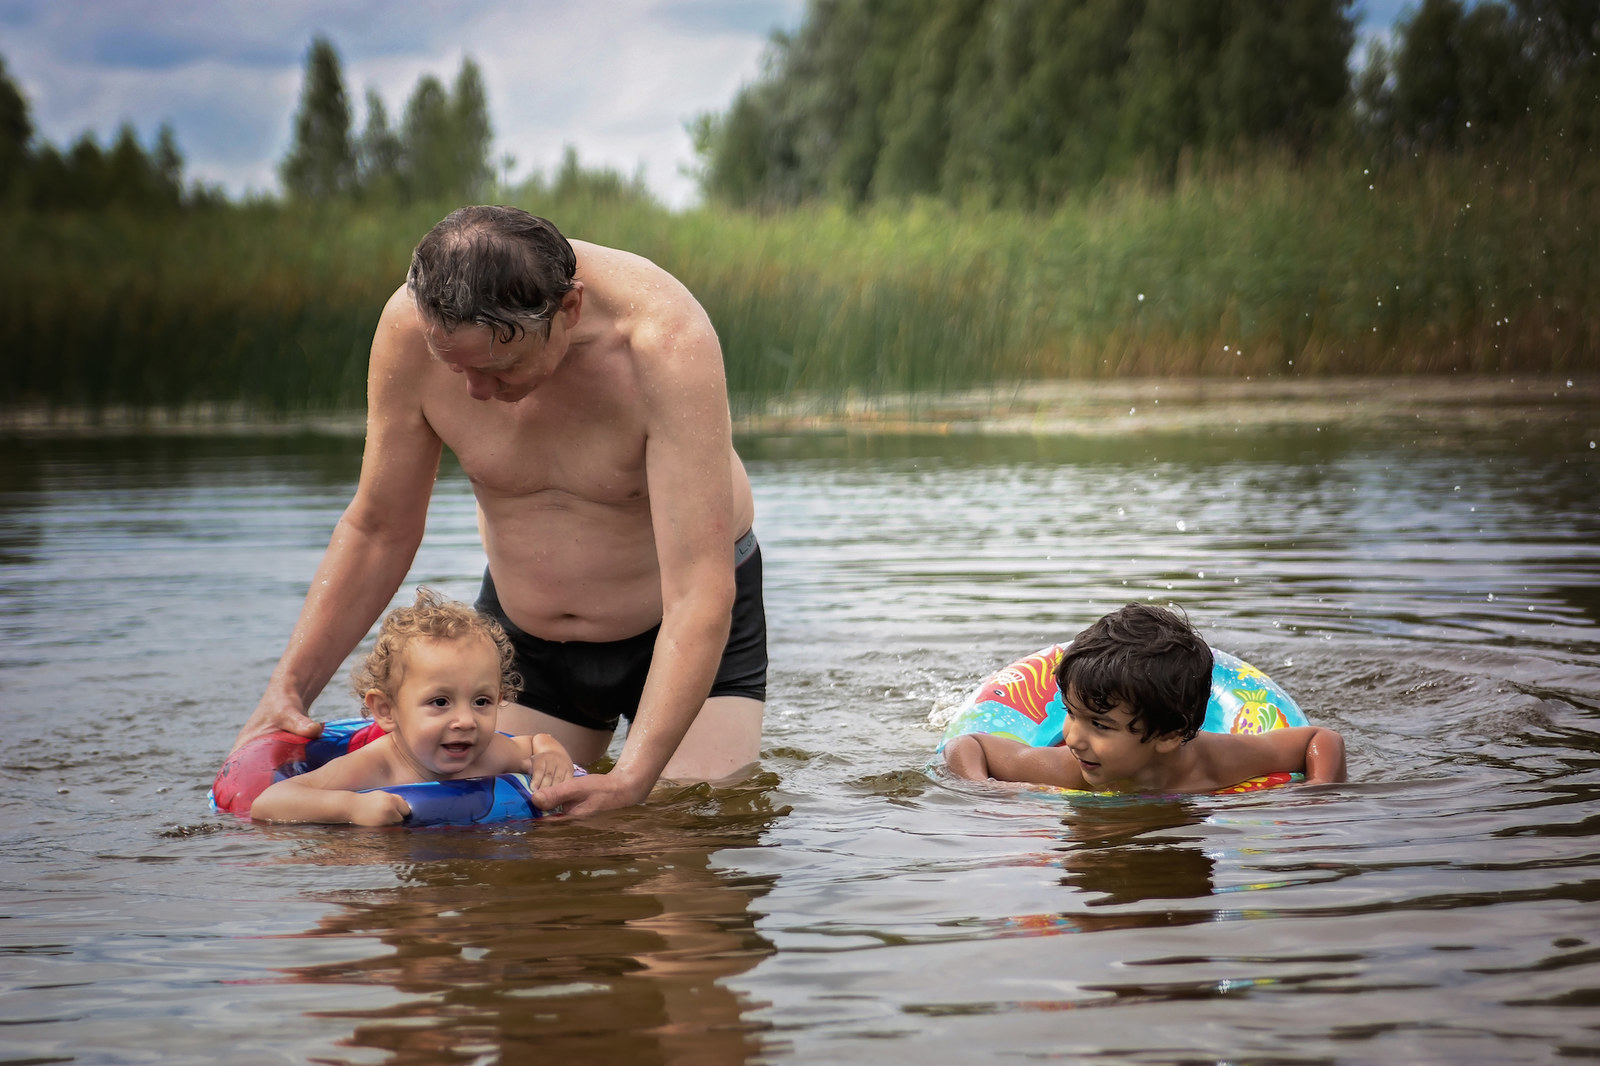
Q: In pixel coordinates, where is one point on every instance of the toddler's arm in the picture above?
(296, 800)
(546, 761)
(332, 794)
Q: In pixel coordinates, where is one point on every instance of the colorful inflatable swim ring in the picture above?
(470, 801)
(1023, 702)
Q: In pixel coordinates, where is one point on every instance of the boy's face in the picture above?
(1111, 752)
(444, 714)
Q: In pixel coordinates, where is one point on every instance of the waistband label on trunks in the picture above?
(744, 547)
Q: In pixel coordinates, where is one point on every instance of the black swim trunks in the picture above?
(595, 684)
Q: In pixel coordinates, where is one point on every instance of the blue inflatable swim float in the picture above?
(470, 801)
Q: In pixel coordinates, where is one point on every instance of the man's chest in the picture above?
(578, 445)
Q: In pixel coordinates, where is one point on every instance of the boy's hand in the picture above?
(379, 808)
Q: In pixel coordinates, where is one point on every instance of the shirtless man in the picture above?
(582, 390)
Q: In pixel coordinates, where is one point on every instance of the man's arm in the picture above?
(376, 538)
(689, 472)
(982, 756)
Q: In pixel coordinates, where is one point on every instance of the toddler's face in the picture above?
(447, 704)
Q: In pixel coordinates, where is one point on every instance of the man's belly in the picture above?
(561, 575)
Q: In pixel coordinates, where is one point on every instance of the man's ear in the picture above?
(381, 710)
(572, 304)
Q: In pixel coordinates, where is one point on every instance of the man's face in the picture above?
(495, 370)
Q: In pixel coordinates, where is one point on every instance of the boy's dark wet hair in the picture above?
(492, 266)
(1147, 657)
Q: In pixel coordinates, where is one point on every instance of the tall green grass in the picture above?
(1461, 264)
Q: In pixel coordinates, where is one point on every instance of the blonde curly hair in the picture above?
(431, 617)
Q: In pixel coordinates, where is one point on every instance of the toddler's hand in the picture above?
(379, 808)
(548, 768)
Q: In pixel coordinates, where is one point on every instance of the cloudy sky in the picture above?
(616, 79)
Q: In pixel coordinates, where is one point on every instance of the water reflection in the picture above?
(1126, 852)
(610, 939)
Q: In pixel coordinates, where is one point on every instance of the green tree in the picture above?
(445, 138)
(1454, 75)
(1563, 44)
(378, 152)
(321, 163)
(16, 135)
(1022, 100)
(917, 114)
(473, 135)
(426, 137)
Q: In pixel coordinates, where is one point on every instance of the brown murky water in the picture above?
(1429, 586)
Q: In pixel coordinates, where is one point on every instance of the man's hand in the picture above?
(276, 712)
(591, 794)
(378, 808)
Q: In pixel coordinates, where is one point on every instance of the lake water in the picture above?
(1430, 588)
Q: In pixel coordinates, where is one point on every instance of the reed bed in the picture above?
(1447, 265)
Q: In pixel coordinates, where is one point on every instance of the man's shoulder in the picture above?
(399, 337)
(400, 311)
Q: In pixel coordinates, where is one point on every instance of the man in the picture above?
(582, 390)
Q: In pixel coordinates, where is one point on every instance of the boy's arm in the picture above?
(1324, 757)
(330, 794)
(1311, 750)
(978, 756)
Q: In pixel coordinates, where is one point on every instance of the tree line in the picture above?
(40, 176)
(1023, 102)
(439, 150)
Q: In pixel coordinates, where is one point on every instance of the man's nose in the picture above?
(480, 386)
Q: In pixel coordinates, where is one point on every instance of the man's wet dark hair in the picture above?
(492, 266)
(1147, 657)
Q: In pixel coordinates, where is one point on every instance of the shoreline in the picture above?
(1129, 406)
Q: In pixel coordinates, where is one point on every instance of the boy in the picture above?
(1135, 685)
(433, 685)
